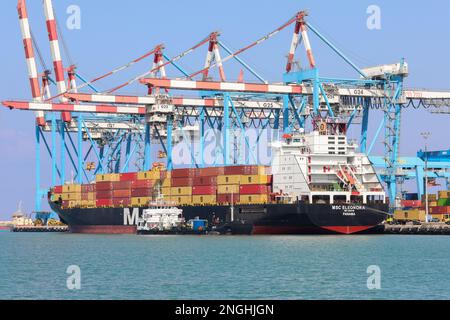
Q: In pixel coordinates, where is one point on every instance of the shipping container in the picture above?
(85, 188)
(204, 200)
(250, 189)
(149, 175)
(443, 202)
(411, 203)
(165, 175)
(444, 194)
(122, 185)
(440, 210)
(255, 179)
(431, 197)
(205, 181)
(410, 215)
(247, 170)
(211, 172)
(122, 202)
(104, 194)
(181, 200)
(411, 196)
(181, 191)
(103, 203)
(140, 201)
(227, 199)
(228, 189)
(182, 182)
(104, 186)
(131, 176)
(204, 190)
(166, 183)
(253, 199)
(145, 184)
(70, 188)
(228, 180)
(112, 177)
(74, 204)
(122, 193)
(166, 191)
(88, 203)
(88, 196)
(184, 173)
(74, 196)
(141, 192)
(58, 189)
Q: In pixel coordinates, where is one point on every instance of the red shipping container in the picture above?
(241, 170)
(128, 176)
(440, 210)
(121, 202)
(58, 189)
(145, 184)
(104, 194)
(122, 193)
(141, 193)
(228, 198)
(103, 202)
(253, 189)
(211, 172)
(411, 203)
(121, 185)
(205, 181)
(88, 188)
(204, 190)
(183, 173)
(104, 186)
(182, 182)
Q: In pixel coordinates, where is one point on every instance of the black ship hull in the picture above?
(269, 219)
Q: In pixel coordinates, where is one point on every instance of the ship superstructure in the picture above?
(323, 166)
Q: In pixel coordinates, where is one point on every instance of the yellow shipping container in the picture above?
(149, 175)
(254, 199)
(55, 196)
(140, 201)
(74, 196)
(166, 183)
(228, 180)
(181, 191)
(433, 203)
(262, 170)
(181, 200)
(410, 215)
(108, 177)
(258, 179)
(69, 188)
(166, 191)
(444, 194)
(227, 189)
(202, 200)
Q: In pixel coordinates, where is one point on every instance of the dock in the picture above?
(50, 229)
(422, 229)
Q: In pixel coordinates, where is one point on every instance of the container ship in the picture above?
(317, 184)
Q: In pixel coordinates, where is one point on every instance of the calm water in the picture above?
(33, 266)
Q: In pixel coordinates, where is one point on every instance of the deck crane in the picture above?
(281, 106)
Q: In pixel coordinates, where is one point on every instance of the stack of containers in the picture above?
(71, 195)
(88, 195)
(204, 189)
(142, 188)
(181, 186)
(105, 189)
(442, 210)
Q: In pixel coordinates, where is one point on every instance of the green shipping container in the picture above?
(444, 202)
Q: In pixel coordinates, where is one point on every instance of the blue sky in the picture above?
(114, 32)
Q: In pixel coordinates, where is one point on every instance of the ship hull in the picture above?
(270, 219)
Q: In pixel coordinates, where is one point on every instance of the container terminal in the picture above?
(120, 147)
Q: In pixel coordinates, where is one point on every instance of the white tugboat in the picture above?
(161, 217)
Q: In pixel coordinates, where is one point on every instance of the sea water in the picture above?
(46, 266)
